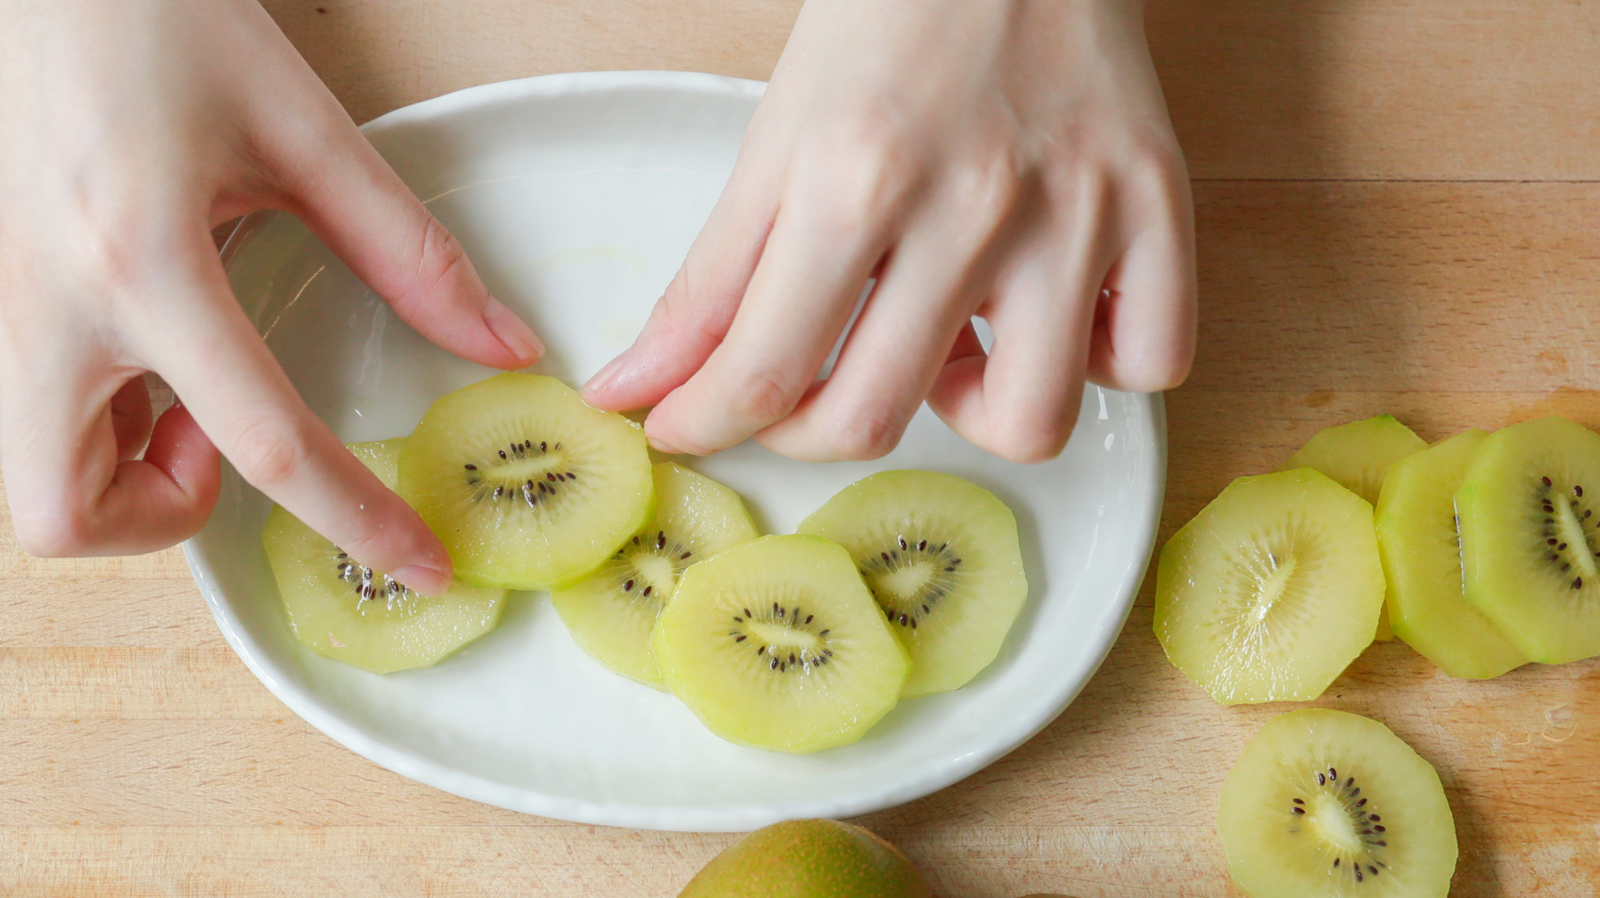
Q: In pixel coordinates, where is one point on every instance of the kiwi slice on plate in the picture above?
(1358, 456)
(776, 643)
(351, 613)
(1529, 537)
(527, 486)
(612, 612)
(1419, 536)
(1272, 590)
(1327, 804)
(942, 559)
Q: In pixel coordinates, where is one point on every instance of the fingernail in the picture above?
(604, 376)
(512, 332)
(426, 580)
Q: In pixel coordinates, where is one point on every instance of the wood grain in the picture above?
(1396, 212)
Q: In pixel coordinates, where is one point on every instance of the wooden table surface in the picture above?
(1399, 211)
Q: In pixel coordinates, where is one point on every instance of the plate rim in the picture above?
(662, 816)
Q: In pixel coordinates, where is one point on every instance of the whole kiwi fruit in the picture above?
(808, 859)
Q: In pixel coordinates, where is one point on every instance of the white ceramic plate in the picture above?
(577, 196)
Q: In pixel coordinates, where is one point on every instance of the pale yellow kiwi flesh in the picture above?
(1327, 804)
(1419, 536)
(1272, 589)
(527, 486)
(612, 611)
(1531, 537)
(776, 643)
(942, 559)
(1358, 457)
(350, 613)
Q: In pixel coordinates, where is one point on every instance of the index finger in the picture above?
(245, 403)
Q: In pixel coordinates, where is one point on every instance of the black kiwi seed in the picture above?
(783, 659)
(394, 592)
(1367, 861)
(1555, 541)
(664, 546)
(480, 479)
(908, 611)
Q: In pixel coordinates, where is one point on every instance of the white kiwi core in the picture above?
(782, 637)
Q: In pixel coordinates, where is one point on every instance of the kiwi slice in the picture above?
(1272, 590)
(351, 613)
(1358, 456)
(1529, 540)
(776, 643)
(527, 486)
(1328, 803)
(941, 557)
(1419, 537)
(612, 612)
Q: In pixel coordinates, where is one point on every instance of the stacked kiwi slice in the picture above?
(1483, 552)
(905, 583)
(612, 611)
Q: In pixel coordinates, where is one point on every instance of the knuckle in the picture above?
(1156, 375)
(696, 319)
(857, 177)
(985, 194)
(1085, 188)
(110, 262)
(1033, 442)
(440, 257)
(763, 396)
(268, 452)
(863, 435)
(63, 533)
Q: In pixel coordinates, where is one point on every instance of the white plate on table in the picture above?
(577, 196)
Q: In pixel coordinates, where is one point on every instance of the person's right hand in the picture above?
(130, 129)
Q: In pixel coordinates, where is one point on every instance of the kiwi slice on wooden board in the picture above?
(527, 486)
(1272, 590)
(351, 613)
(612, 611)
(942, 559)
(1328, 804)
(776, 643)
(1358, 456)
(1529, 537)
(1420, 539)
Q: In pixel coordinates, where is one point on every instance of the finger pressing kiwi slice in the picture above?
(1529, 534)
(1326, 803)
(1358, 457)
(1419, 537)
(942, 559)
(351, 613)
(1272, 590)
(776, 643)
(527, 486)
(612, 611)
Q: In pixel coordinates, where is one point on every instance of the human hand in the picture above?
(131, 129)
(1003, 158)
